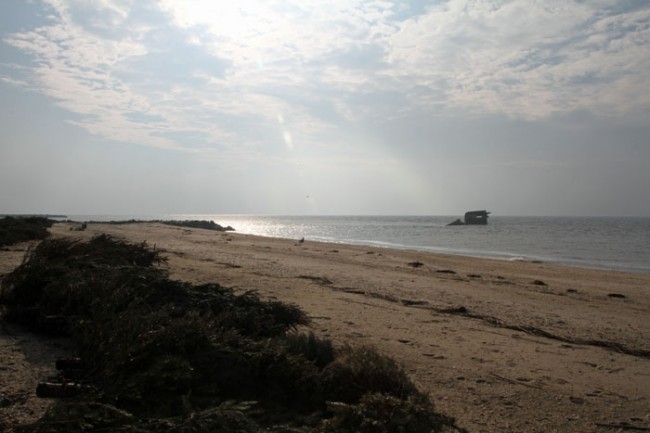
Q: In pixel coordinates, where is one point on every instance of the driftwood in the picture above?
(71, 368)
(59, 390)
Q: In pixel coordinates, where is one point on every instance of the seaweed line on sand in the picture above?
(491, 320)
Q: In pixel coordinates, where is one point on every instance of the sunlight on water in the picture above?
(609, 243)
(612, 243)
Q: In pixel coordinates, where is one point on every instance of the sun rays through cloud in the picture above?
(363, 91)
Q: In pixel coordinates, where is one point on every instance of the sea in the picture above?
(615, 243)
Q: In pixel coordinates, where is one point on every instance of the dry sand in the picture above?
(501, 346)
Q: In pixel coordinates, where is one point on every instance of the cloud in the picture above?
(526, 58)
(209, 77)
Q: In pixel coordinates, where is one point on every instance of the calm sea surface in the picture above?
(609, 243)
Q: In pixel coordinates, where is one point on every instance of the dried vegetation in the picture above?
(19, 229)
(160, 355)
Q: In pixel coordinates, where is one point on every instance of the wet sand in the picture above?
(501, 346)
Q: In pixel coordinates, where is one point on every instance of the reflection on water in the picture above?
(612, 243)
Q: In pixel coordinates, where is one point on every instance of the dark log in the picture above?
(59, 390)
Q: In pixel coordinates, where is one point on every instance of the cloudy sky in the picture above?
(522, 107)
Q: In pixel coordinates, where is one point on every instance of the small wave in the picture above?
(518, 259)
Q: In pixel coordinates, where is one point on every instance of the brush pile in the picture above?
(159, 355)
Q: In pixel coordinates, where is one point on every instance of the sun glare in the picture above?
(235, 20)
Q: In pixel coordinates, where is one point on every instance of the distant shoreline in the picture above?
(552, 240)
(32, 215)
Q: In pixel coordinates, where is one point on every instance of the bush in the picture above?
(164, 355)
(20, 229)
(319, 351)
(80, 417)
(380, 413)
(64, 278)
(361, 370)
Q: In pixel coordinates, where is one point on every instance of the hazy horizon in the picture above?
(520, 107)
(136, 216)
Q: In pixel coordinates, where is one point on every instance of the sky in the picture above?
(338, 107)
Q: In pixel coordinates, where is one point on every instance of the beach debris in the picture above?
(320, 280)
(446, 271)
(416, 264)
(539, 283)
(514, 382)
(577, 400)
(616, 295)
(434, 356)
(455, 310)
(622, 426)
(60, 390)
(413, 303)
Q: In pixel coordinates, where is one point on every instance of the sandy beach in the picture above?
(501, 346)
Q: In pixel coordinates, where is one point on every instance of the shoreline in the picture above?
(497, 344)
(508, 238)
(501, 256)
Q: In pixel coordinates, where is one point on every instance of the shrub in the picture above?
(381, 413)
(19, 229)
(165, 355)
(319, 351)
(64, 278)
(361, 370)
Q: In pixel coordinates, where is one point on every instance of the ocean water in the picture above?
(592, 242)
